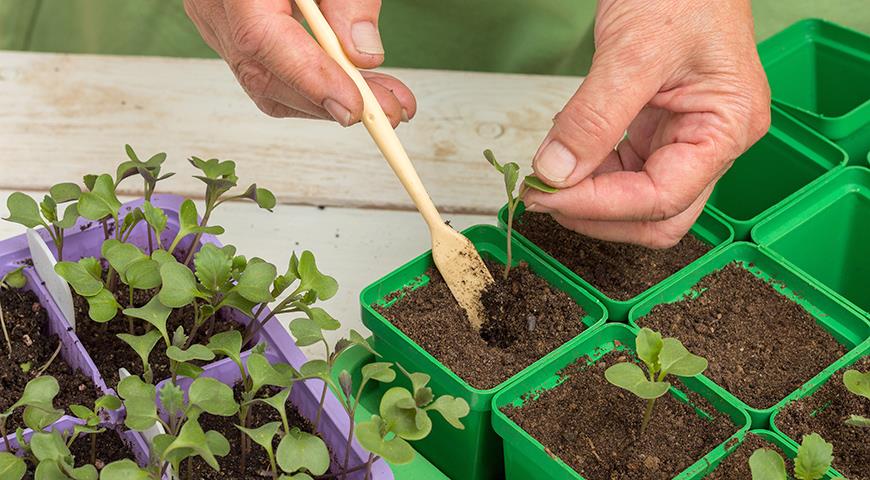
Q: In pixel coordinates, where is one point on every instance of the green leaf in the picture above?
(39, 391)
(511, 173)
(179, 285)
(265, 199)
(90, 181)
(101, 201)
(214, 168)
(306, 331)
(380, 371)
(15, 278)
(191, 438)
(65, 192)
(234, 300)
(102, 307)
(162, 256)
(107, 402)
(315, 368)
(263, 373)
(155, 217)
(255, 281)
(38, 416)
(631, 377)
(858, 421)
(677, 360)
(153, 312)
(81, 411)
(217, 443)
(857, 382)
(120, 254)
(70, 215)
(212, 396)
(311, 278)
(139, 400)
(277, 401)
(48, 446)
(143, 274)
(213, 267)
(123, 470)
(404, 422)
(814, 457)
(228, 344)
(452, 409)
(11, 467)
(92, 266)
(355, 338)
(194, 352)
(262, 435)
(490, 157)
(396, 450)
(23, 210)
(766, 464)
(648, 345)
(536, 183)
(171, 398)
(79, 276)
(48, 209)
(300, 450)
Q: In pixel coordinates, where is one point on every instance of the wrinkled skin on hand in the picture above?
(683, 78)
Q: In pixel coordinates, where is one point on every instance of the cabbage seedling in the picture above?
(859, 384)
(814, 458)
(661, 357)
(150, 172)
(14, 279)
(24, 210)
(37, 401)
(92, 420)
(511, 171)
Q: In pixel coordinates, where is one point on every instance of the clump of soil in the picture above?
(761, 346)
(824, 413)
(619, 270)
(594, 426)
(257, 461)
(111, 353)
(736, 465)
(525, 319)
(32, 347)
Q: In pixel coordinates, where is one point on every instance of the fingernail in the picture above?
(366, 38)
(555, 162)
(405, 116)
(338, 112)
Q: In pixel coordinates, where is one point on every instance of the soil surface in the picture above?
(594, 427)
(111, 353)
(32, 348)
(619, 270)
(761, 346)
(525, 320)
(257, 461)
(736, 465)
(110, 448)
(824, 413)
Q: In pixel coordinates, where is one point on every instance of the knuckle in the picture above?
(581, 121)
(253, 77)
(250, 37)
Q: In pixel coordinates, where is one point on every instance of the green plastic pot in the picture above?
(475, 452)
(792, 154)
(847, 326)
(710, 228)
(819, 72)
(526, 458)
(811, 387)
(784, 444)
(825, 235)
(353, 360)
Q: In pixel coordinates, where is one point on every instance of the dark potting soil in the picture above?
(619, 270)
(32, 347)
(525, 320)
(111, 353)
(594, 426)
(761, 346)
(823, 413)
(257, 461)
(736, 465)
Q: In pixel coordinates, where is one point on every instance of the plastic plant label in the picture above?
(44, 262)
(152, 432)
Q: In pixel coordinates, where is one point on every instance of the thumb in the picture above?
(356, 24)
(586, 131)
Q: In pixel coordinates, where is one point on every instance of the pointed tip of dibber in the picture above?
(463, 270)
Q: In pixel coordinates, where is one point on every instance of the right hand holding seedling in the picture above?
(859, 384)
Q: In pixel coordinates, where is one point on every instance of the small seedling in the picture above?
(511, 172)
(14, 279)
(661, 357)
(24, 210)
(150, 172)
(859, 384)
(814, 458)
(91, 420)
(37, 401)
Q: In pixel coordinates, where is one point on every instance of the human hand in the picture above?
(284, 70)
(683, 78)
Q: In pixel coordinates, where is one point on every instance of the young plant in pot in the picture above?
(25, 211)
(814, 458)
(859, 384)
(661, 356)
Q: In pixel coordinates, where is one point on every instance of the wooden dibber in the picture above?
(454, 255)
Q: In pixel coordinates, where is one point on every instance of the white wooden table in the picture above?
(62, 116)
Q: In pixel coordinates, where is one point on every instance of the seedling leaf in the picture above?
(380, 371)
(398, 408)
(12, 467)
(766, 464)
(139, 400)
(255, 281)
(213, 397)
(396, 450)
(814, 457)
(179, 285)
(312, 279)
(857, 382)
(631, 377)
(23, 210)
(649, 345)
(101, 201)
(538, 184)
(194, 352)
(677, 360)
(262, 435)
(452, 409)
(155, 313)
(80, 276)
(300, 450)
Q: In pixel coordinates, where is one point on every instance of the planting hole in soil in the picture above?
(34, 352)
(525, 319)
(761, 345)
(620, 271)
(826, 412)
(594, 426)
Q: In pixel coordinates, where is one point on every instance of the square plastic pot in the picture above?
(824, 235)
(843, 323)
(480, 447)
(814, 385)
(787, 161)
(305, 396)
(352, 360)
(819, 72)
(710, 228)
(526, 458)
